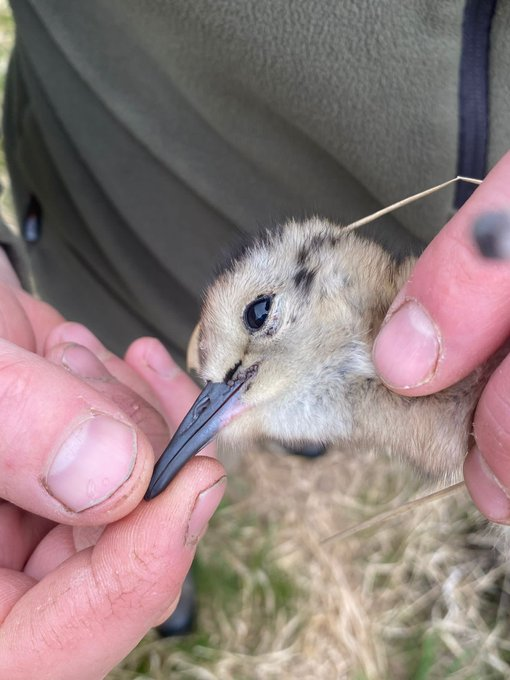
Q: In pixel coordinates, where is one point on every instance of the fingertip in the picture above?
(164, 557)
(487, 493)
(464, 294)
(136, 350)
(63, 461)
(138, 565)
(150, 353)
(92, 463)
(76, 333)
(174, 388)
(200, 473)
(78, 360)
(204, 507)
(407, 349)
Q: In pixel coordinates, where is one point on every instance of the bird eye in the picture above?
(256, 313)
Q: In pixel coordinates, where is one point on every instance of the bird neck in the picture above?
(433, 432)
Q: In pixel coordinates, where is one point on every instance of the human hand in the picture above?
(449, 318)
(76, 595)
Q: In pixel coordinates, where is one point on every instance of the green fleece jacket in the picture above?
(156, 134)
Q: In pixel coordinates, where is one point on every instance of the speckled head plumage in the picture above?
(317, 336)
(284, 345)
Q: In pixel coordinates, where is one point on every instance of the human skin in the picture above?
(86, 569)
(450, 317)
(87, 566)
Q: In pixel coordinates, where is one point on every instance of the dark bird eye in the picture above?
(255, 314)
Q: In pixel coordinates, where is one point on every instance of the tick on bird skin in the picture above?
(288, 357)
(491, 232)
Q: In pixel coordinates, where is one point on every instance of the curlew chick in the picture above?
(284, 346)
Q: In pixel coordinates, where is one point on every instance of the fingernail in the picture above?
(80, 361)
(94, 461)
(484, 489)
(491, 233)
(81, 335)
(205, 505)
(160, 361)
(407, 348)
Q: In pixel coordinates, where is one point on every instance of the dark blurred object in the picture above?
(308, 451)
(31, 225)
(182, 621)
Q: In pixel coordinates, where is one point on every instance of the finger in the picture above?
(41, 316)
(61, 543)
(68, 453)
(174, 388)
(487, 467)
(15, 325)
(20, 533)
(56, 547)
(70, 332)
(454, 312)
(85, 608)
(24, 320)
(7, 273)
(82, 363)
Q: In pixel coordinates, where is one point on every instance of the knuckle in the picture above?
(138, 410)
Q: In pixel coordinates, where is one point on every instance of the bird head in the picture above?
(285, 333)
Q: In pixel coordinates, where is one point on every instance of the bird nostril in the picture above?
(200, 408)
(243, 376)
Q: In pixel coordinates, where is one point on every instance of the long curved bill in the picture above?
(214, 408)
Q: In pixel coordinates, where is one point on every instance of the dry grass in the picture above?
(420, 597)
